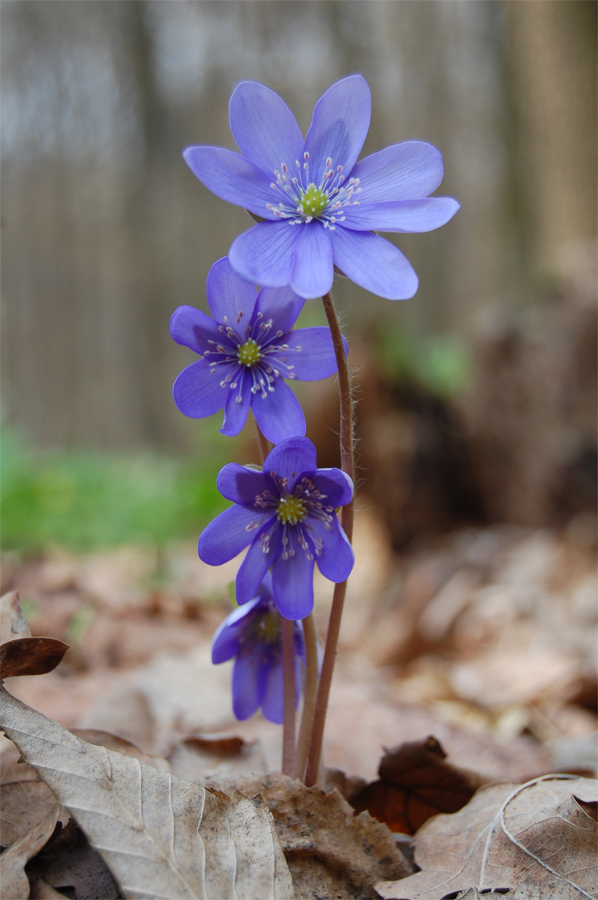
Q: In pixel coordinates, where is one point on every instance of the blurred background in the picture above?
(477, 396)
(476, 399)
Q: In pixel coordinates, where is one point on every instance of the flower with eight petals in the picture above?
(320, 206)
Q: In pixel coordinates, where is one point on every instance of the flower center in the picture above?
(269, 628)
(313, 201)
(249, 353)
(291, 510)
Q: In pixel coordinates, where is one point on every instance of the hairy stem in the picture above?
(311, 690)
(338, 599)
(263, 444)
(289, 694)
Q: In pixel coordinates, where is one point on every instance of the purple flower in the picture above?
(286, 513)
(247, 350)
(253, 634)
(321, 206)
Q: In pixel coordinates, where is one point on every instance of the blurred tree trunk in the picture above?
(552, 54)
(145, 226)
(532, 410)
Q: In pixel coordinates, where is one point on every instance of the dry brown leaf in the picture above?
(218, 744)
(30, 656)
(161, 837)
(41, 890)
(535, 836)
(24, 800)
(13, 623)
(348, 786)
(15, 884)
(415, 784)
(28, 815)
(331, 852)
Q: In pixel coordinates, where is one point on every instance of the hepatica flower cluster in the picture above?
(318, 209)
(320, 206)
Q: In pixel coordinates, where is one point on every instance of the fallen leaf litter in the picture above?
(442, 623)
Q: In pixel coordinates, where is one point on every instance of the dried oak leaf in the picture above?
(331, 852)
(13, 623)
(30, 656)
(535, 837)
(415, 784)
(159, 836)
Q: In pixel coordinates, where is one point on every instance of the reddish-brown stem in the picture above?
(289, 695)
(338, 599)
(311, 690)
(288, 665)
(264, 446)
(345, 398)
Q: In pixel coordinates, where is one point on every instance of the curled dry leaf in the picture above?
(24, 799)
(30, 656)
(348, 786)
(331, 852)
(218, 744)
(41, 890)
(415, 784)
(531, 837)
(29, 813)
(13, 623)
(15, 883)
(160, 837)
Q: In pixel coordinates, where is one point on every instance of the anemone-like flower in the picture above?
(253, 635)
(321, 207)
(286, 513)
(247, 349)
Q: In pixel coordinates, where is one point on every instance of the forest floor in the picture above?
(485, 639)
(469, 662)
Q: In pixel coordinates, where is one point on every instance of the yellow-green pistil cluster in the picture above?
(269, 628)
(291, 510)
(313, 201)
(249, 353)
